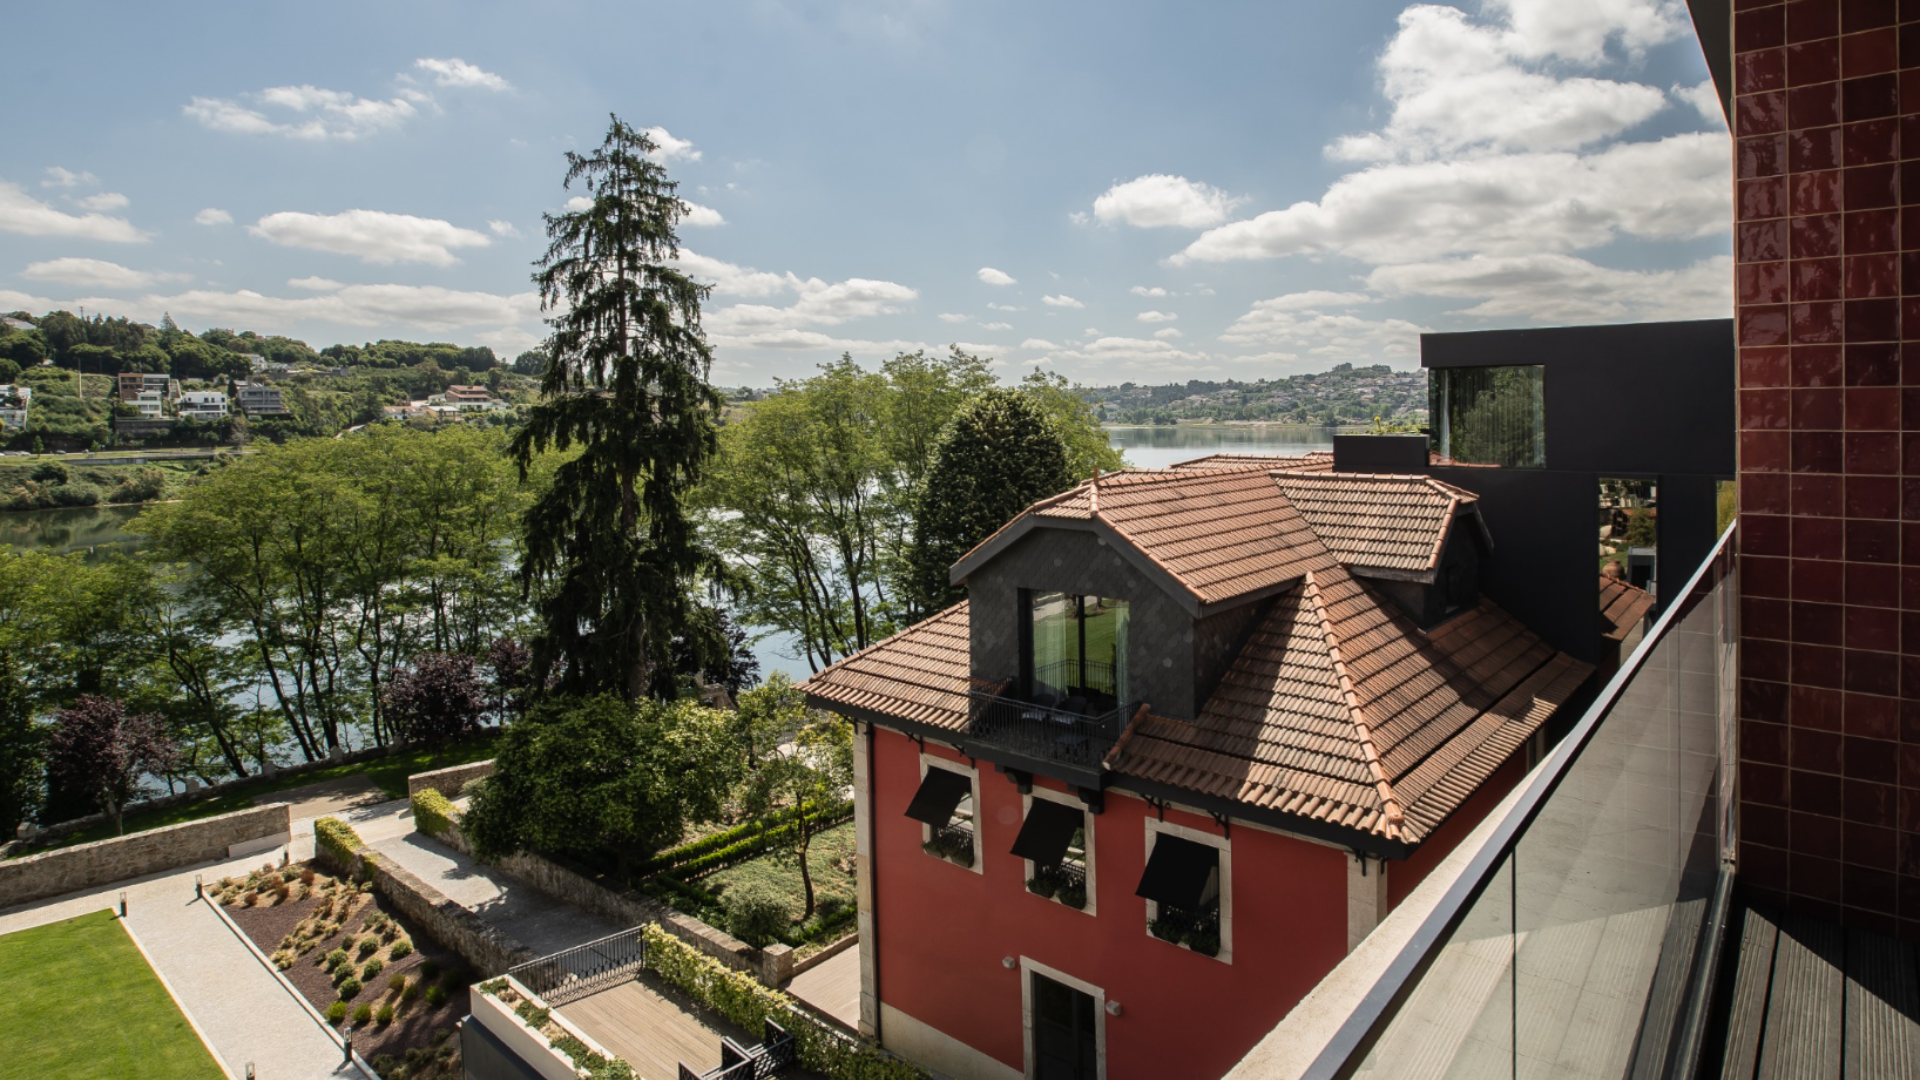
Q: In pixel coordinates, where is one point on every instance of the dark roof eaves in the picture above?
(1309, 828)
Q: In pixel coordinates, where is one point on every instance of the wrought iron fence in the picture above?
(572, 974)
(775, 1054)
(1044, 732)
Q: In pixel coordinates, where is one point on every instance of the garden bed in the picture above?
(831, 861)
(327, 935)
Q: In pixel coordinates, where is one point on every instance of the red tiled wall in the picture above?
(1827, 106)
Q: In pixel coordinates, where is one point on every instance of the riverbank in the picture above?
(53, 482)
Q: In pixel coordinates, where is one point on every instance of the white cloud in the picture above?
(1143, 290)
(670, 148)
(316, 284)
(416, 307)
(1291, 333)
(577, 204)
(95, 274)
(1316, 299)
(701, 217)
(1005, 307)
(952, 317)
(66, 178)
(313, 113)
(1704, 99)
(105, 201)
(454, 71)
(1038, 343)
(504, 228)
(1078, 217)
(1061, 301)
(1156, 316)
(1159, 199)
(996, 326)
(818, 304)
(1581, 32)
(1167, 333)
(728, 279)
(373, 236)
(1548, 287)
(22, 213)
(994, 277)
(213, 215)
(1130, 353)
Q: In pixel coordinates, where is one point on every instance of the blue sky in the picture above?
(1114, 190)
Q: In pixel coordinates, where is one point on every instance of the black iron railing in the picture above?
(1065, 882)
(775, 1054)
(1045, 733)
(952, 842)
(1069, 677)
(572, 974)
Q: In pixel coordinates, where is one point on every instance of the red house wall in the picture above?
(1826, 112)
(943, 929)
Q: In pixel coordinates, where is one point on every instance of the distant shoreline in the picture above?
(1238, 424)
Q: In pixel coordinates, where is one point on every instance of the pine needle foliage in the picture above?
(611, 557)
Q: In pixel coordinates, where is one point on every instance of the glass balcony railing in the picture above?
(1581, 938)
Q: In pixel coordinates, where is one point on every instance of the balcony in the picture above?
(1064, 740)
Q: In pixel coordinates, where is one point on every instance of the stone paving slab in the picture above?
(517, 909)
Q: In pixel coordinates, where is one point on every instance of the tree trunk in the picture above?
(806, 874)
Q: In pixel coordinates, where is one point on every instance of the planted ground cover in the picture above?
(84, 1004)
(830, 860)
(359, 963)
(389, 774)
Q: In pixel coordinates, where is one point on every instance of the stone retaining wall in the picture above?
(89, 866)
(450, 780)
(772, 965)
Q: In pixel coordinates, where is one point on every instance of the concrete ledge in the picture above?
(852, 940)
(450, 780)
(89, 866)
(529, 1045)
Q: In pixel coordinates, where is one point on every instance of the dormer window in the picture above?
(1077, 651)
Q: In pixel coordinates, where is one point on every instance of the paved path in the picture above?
(517, 909)
(242, 1009)
(833, 987)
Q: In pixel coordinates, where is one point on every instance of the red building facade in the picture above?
(1825, 113)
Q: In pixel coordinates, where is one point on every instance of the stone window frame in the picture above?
(1066, 799)
(1224, 845)
(1029, 967)
(972, 773)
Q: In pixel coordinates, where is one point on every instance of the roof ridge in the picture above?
(1390, 800)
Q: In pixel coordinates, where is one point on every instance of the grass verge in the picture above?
(86, 1004)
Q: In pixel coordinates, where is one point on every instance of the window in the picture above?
(1187, 886)
(1489, 415)
(1056, 840)
(944, 806)
(1077, 656)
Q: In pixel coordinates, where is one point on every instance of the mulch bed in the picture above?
(288, 926)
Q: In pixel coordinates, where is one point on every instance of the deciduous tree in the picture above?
(436, 700)
(99, 749)
(816, 769)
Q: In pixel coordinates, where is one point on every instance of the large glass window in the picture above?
(1489, 415)
(1079, 649)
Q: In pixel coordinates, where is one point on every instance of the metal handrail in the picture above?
(1349, 1045)
(574, 973)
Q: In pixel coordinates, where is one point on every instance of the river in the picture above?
(99, 530)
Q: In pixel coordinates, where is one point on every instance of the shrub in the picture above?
(336, 1012)
(384, 1014)
(757, 914)
(436, 995)
(349, 988)
(334, 959)
(362, 1013)
(249, 898)
(397, 983)
(402, 949)
(411, 993)
(307, 875)
(335, 841)
(372, 969)
(368, 946)
(429, 968)
(283, 958)
(433, 813)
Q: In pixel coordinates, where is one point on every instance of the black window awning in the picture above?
(1047, 832)
(1178, 872)
(940, 793)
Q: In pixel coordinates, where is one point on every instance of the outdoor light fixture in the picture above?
(123, 905)
(1008, 963)
(1113, 1008)
(198, 893)
(250, 1075)
(347, 1045)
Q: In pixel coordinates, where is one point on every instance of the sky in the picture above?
(1117, 190)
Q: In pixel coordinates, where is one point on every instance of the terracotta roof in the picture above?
(1316, 461)
(1339, 709)
(1622, 606)
(1365, 519)
(920, 674)
(1218, 533)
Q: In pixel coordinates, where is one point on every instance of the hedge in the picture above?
(433, 812)
(741, 999)
(715, 860)
(710, 851)
(336, 841)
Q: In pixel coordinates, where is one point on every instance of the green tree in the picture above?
(22, 750)
(1065, 405)
(604, 776)
(610, 552)
(1000, 455)
(813, 772)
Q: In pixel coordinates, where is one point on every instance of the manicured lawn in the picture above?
(83, 1003)
(833, 888)
(388, 773)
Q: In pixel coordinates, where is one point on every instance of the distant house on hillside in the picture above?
(465, 395)
(203, 405)
(151, 403)
(16, 324)
(13, 405)
(132, 384)
(256, 399)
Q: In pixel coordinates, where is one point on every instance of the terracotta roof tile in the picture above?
(1370, 520)
(1622, 607)
(920, 674)
(1316, 461)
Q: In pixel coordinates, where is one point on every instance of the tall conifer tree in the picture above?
(610, 552)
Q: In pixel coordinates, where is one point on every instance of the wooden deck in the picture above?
(833, 988)
(1810, 999)
(653, 1027)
